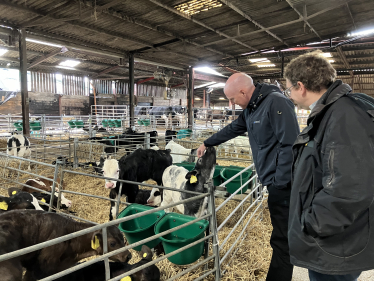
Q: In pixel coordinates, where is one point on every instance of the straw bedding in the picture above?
(250, 262)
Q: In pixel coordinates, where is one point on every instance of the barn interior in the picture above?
(97, 60)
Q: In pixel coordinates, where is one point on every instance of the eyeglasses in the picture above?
(287, 92)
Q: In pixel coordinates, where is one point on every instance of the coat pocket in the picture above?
(351, 242)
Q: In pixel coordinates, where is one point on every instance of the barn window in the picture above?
(196, 6)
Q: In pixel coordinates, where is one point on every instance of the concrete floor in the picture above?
(301, 274)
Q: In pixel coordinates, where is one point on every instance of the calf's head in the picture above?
(115, 242)
(204, 166)
(155, 198)
(19, 200)
(111, 170)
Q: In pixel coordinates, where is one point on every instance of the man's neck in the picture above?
(315, 96)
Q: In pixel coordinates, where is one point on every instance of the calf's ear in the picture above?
(13, 191)
(192, 173)
(97, 242)
(3, 203)
(146, 253)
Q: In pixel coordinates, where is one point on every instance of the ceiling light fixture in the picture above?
(221, 98)
(69, 63)
(327, 55)
(3, 51)
(266, 65)
(207, 69)
(362, 32)
(43, 43)
(197, 98)
(331, 61)
(259, 60)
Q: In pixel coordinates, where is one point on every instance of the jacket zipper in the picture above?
(331, 166)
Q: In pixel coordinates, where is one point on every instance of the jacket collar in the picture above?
(333, 93)
(260, 93)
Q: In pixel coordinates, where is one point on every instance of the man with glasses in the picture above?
(330, 228)
(270, 120)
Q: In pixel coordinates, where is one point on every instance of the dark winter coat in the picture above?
(332, 217)
(272, 127)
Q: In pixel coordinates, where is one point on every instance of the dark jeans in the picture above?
(315, 276)
(280, 267)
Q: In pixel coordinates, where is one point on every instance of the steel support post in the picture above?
(131, 89)
(23, 81)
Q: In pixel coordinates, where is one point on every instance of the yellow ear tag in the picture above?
(193, 179)
(14, 192)
(144, 255)
(127, 278)
(43, 200)
(90, 165)
(3, 206)
(96, 244)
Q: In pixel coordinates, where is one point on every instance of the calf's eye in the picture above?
(113, 244)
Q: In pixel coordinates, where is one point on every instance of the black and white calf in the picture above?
(18, 145)
(180, 178)
(177, 149)
(139, 166)
(18, 200)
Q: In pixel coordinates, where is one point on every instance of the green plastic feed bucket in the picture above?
(18, 125)
(118, 123)
(104, 122)
(217, 179)
(71, 124)
(235, 184)
(146, 122)
(35, 126)
(141, 227)
(140, 122)
(188, 166)
(111, 123)
(79, 124)
(184, 133)
(182, 237)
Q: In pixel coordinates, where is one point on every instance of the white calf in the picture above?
(190, 154)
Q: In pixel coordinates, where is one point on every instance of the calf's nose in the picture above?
(109, 185)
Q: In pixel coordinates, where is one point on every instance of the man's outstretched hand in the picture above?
(201, 150)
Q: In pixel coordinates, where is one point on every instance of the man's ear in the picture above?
(97, 242)
(192, 173)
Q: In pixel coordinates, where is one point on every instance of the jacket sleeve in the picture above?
(347, 176)
(236, 128)
(283, 121)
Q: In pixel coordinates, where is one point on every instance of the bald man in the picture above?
(270, 120)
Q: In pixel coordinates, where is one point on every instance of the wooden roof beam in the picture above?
(246, 16)
(170, 9)
(303, 17)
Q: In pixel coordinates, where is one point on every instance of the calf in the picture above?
(46, 185)
(144, 195)
(141, 165)
(109, 145)
(179, 178)
(176, 149)
(18, 145)
(169, 135)
(20, 229)
(18, 200)
(96, 271)
(154, 198)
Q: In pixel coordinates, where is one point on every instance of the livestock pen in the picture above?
(237, 214)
